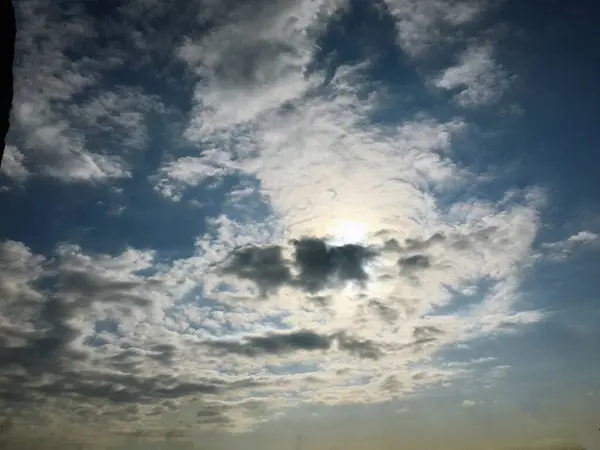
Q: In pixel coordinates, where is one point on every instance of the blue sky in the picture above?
(356, 222)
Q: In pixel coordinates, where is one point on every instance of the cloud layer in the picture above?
(251, 117)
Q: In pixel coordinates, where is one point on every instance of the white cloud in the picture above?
(13, 164)
(253, 63)
(560, 250)
(64, 121)
(583, 236)
(423, 24)
(477, 77)
(188, 171)
(119, 116)
(468, 403)
(20, 267)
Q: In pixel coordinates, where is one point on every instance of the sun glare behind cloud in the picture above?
(347, 232)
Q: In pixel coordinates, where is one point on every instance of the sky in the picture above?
(302, 224)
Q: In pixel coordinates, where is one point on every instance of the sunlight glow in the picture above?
(347, 232)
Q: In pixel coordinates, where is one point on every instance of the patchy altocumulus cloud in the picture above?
(273, 306)
(73, 119)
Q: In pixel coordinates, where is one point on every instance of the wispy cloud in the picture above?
(425, 24)
(477, 79)
(560, 250)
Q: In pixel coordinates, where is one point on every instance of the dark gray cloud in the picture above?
(264, 266)
(391, 245)
(316, 263)
(210, 412)
(425, 332)
(320, 300)
(44, 349)
(411, 264)
(88, 284)
(410, 245)
(115, 392)
(321, 264)
(362, 348)
(418, 245)
(303, 340)
(385, 312)
(164, 353)
(47, 347)
(275, 344)
(391, 384)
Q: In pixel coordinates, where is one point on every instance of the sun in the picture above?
(347, 232)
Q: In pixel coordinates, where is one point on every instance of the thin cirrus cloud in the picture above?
(477, 78)
(226, 116)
